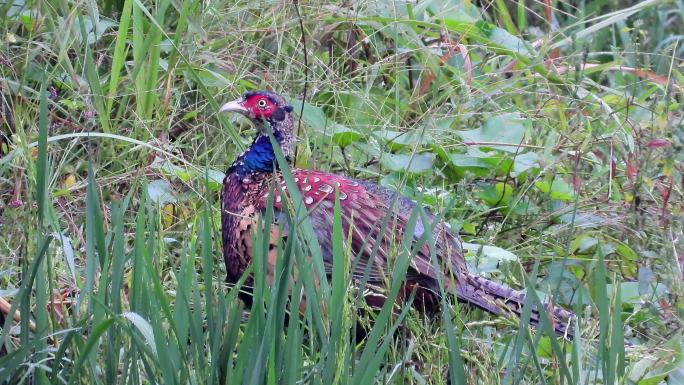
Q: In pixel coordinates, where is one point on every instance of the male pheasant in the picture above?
(364, 205)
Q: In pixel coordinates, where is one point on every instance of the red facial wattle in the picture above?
(259, 106)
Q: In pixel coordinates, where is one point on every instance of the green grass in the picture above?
(550, 137)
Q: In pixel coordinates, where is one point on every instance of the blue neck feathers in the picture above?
(259, 157)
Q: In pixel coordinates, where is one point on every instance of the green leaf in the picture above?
(469, 228)
(160, 191)
(665, 363)
(344, 136)
(468, 161)
(476, 161)
(144, 327)
(72, 105)
(626, 252)
(524, 162)
(417, 163)
(630, 292)
(503, 38)
(497, 195)
(558, 189)
(212, 78)
(397, 139)
(313, 116)
(94, 27)
(562, 283)
(215, 178)
(505, 129)
(68, 252)
(490, 251)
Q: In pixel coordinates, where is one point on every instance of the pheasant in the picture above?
(364, 205)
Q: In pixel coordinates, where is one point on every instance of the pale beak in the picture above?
(234, 106)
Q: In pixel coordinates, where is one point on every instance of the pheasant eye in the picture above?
(261, 103)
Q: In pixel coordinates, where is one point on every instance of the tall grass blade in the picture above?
(93, 77)
(42, 290)
(119, 54)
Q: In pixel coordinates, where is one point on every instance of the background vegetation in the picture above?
(548, 133)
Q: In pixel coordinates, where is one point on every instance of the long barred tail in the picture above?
(500, 299)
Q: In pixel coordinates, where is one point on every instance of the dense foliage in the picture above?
(549, 134)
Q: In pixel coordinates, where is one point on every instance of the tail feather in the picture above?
(500, 299)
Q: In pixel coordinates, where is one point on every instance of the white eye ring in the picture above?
(261, 103)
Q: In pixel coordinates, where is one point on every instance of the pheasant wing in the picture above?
(372, 224)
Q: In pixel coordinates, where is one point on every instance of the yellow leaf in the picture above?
(69, 181)
(167, 215)
(629, 198)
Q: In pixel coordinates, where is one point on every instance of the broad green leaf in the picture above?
(558, 189)
(583, 243)
(344, 136)
(497, 195)
(506, 129)
(417, 163)
(215, 178)
(562, 283)
(503, 38)
(212, 78)
(493, 36)
(631, 293)
(464, 163)
(469, 227)
(94, 31)
(313, 116)
(488, 251)
(476, 161)
(524, 162)
(626, 252)
(398, 139)
(160, 191)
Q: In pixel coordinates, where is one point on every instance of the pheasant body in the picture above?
(375, 220)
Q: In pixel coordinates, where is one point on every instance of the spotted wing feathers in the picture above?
(373, 224)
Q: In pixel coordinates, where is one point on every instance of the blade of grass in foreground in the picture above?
(119, 54)
(545, 328)
(611, 351)
(22, 301)
(456, 369)
(42, 277)
(116, 273)
(258, 368)
(514, 366)
(369, 363)
(339, 345)
(316, 285)
(93, 77)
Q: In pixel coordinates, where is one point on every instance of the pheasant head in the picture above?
(267, 111)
